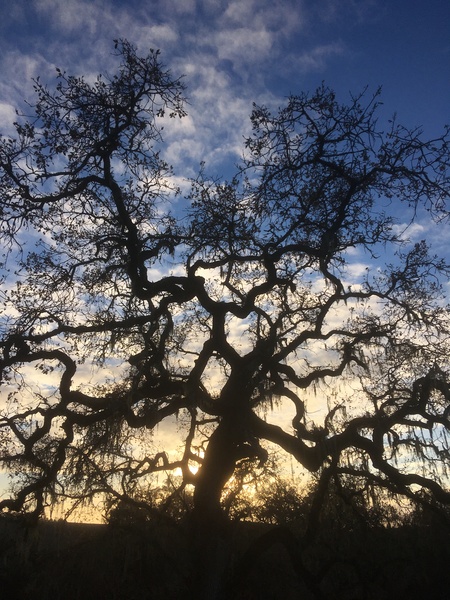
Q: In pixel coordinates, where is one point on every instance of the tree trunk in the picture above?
(210, 525)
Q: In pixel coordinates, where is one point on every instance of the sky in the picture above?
(234, 53)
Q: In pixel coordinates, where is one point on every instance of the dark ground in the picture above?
(66, 561)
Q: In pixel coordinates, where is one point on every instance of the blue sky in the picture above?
(235, 52)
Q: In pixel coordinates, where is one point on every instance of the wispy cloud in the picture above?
(7, 117)
(227, 51)
(317, 58)
(409, 232)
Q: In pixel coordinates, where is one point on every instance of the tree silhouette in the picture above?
(128, 307)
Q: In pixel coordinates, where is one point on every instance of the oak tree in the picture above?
(128, 306)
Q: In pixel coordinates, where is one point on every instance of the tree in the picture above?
(211, 310)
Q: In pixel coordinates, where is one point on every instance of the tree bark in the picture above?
(210, 526)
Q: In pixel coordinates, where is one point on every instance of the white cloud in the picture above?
(7, 117)
(162, 34)
(18, 70)
(240, 12)
(317, 58)
(258, 14)
(223, 48)
(244, 45)
(71, 15)
(409, 232)
(355, 272)
(218, 116)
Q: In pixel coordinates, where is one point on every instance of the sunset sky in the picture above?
(234, 53)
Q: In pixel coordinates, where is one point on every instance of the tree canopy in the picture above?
(129, 303)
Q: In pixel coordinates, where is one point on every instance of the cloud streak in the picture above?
(227, 51)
